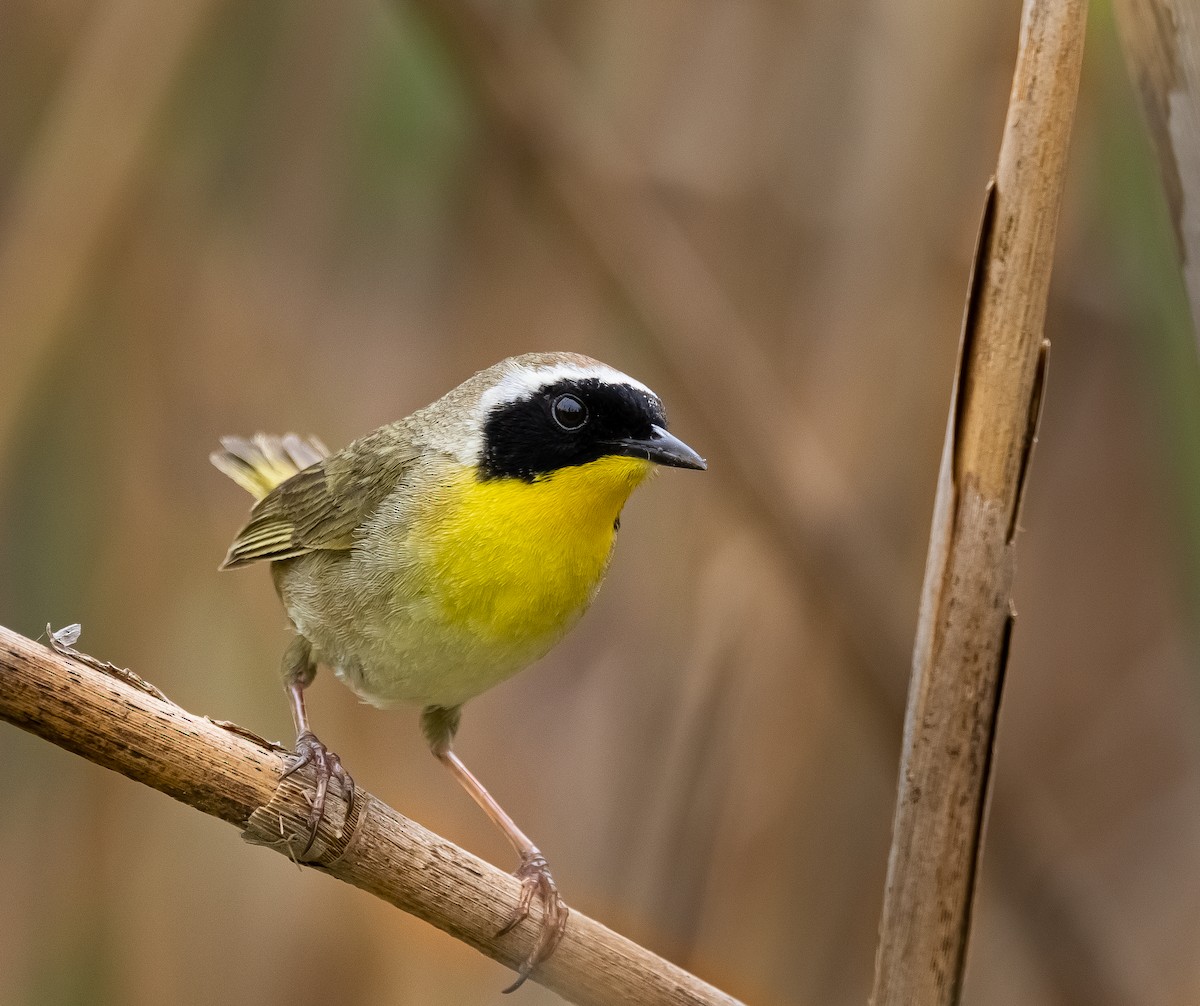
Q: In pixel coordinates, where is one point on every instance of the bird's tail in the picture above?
(261, 463)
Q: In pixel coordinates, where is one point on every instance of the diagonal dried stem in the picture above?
(97, 712)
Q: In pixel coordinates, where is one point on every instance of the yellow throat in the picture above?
(516, 562)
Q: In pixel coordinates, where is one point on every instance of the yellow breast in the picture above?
(515, 562)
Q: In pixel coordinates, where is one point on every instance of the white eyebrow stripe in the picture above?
(525, 382)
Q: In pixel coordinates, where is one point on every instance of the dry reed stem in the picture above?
(115, 720)
(966, 616)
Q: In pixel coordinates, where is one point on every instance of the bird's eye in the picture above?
(569, 412)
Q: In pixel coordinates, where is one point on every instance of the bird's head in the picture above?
(531, 416)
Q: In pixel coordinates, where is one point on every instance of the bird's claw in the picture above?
(326, 765)
(536, 880)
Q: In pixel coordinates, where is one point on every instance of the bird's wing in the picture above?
(323, 506)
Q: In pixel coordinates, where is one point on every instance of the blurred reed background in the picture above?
(222, 217)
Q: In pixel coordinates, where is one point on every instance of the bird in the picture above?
(439, 555)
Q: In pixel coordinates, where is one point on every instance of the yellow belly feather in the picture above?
(517, 562)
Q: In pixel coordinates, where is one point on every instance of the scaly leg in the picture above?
(440, 725)
(298, 673)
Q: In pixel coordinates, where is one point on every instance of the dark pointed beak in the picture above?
(662, 448)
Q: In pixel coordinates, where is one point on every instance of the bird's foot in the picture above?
(536, 881)
(326, 765)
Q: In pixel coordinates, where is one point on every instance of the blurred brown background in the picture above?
(221, 217)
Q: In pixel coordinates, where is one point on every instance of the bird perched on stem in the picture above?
(441, 554)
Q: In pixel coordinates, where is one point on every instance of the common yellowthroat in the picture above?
(441, 554)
